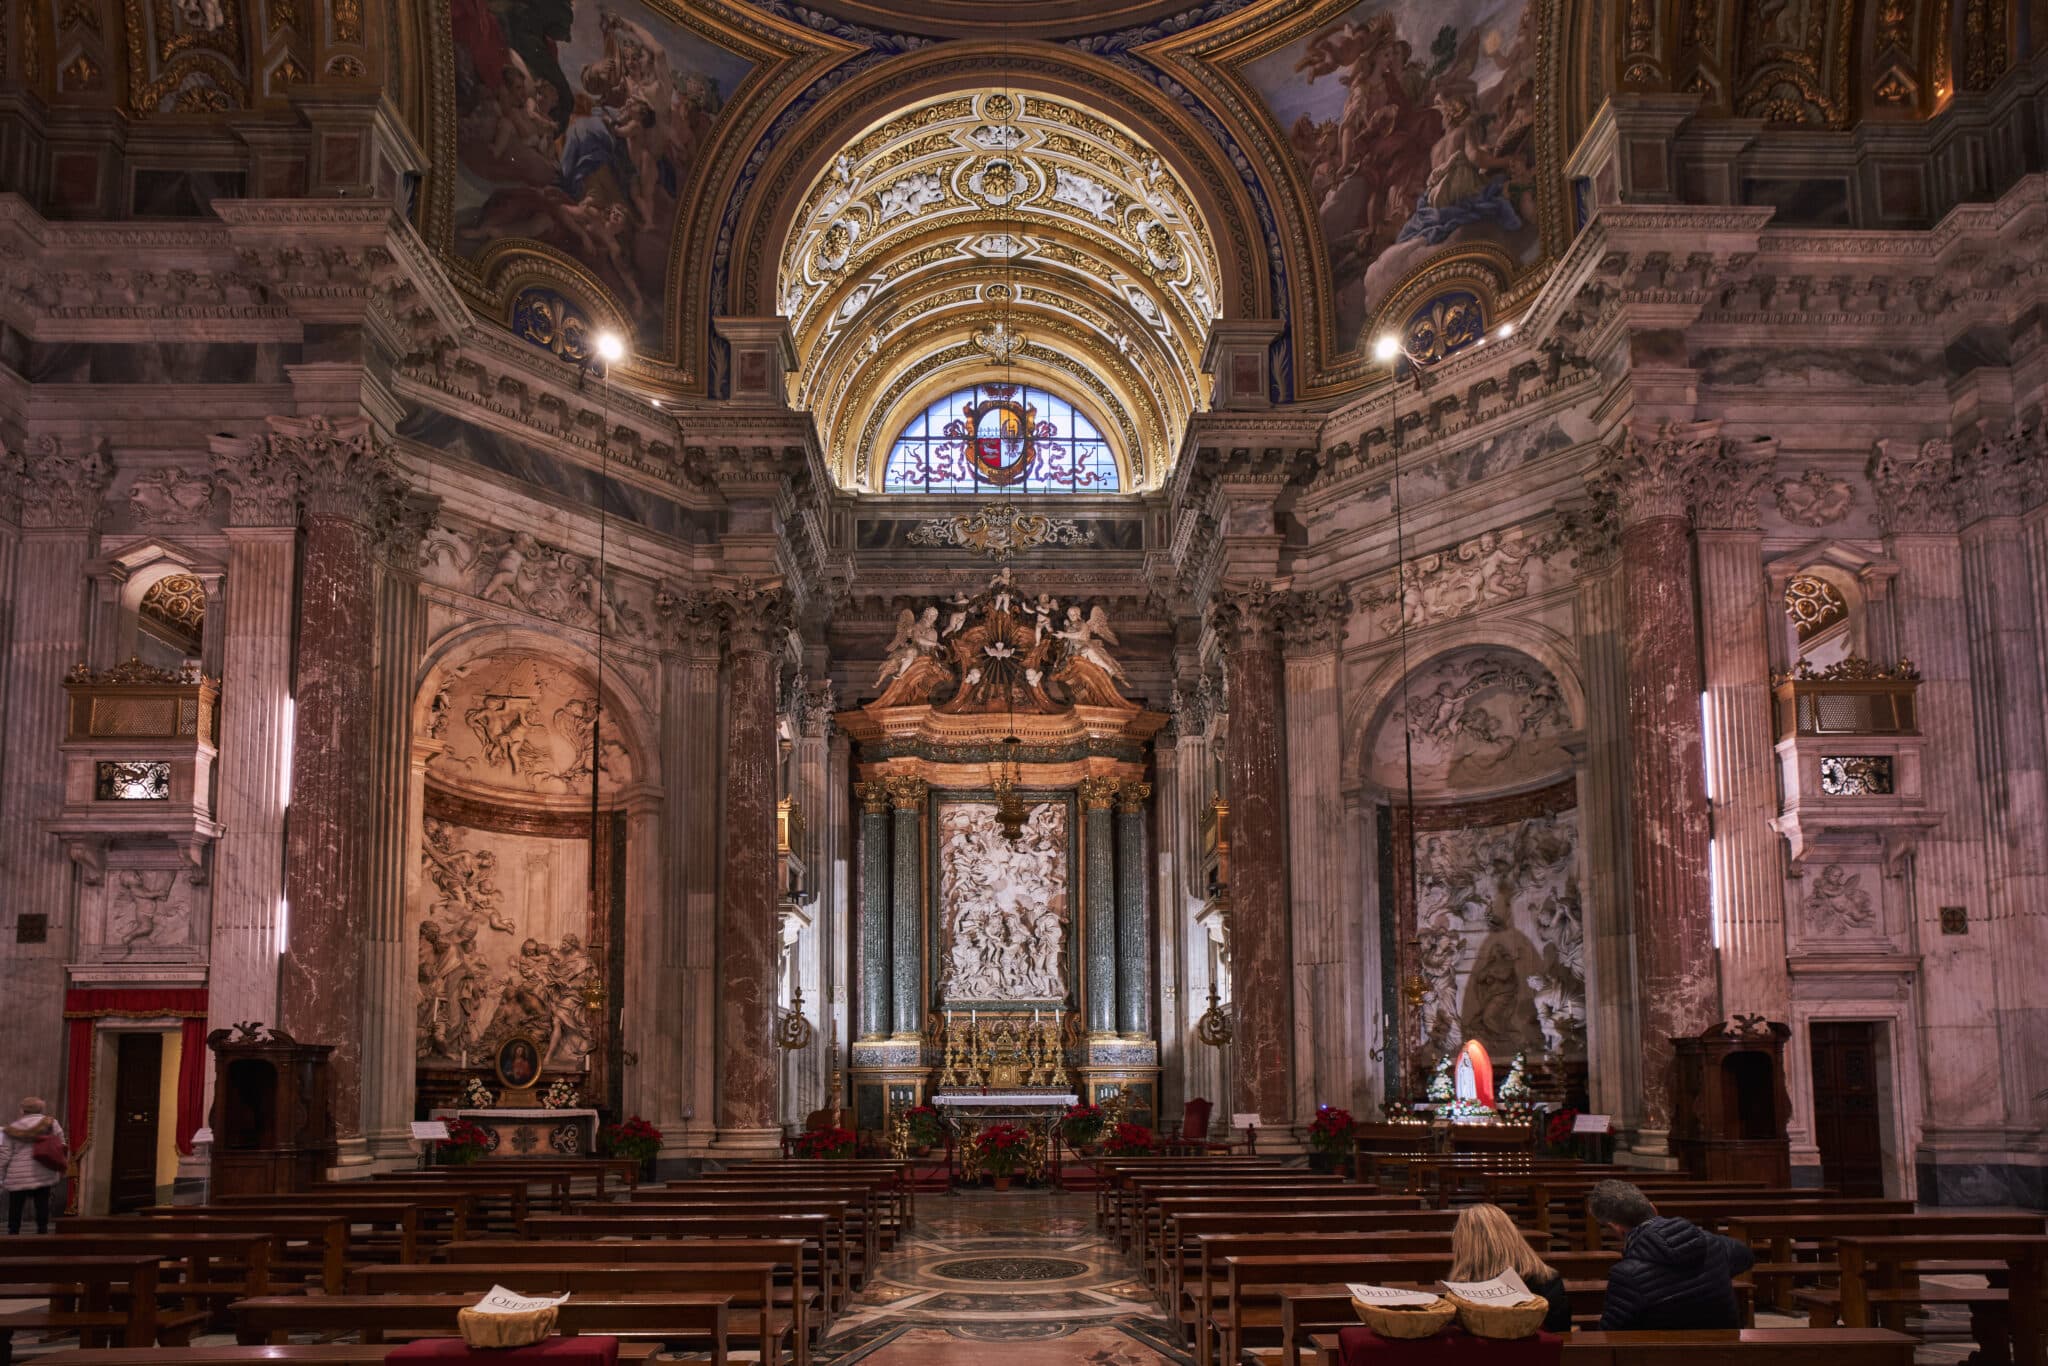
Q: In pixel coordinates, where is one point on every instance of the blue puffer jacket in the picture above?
(1674, 1274)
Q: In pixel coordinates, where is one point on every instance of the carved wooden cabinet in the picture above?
(1730, 1105)
(272, 1122)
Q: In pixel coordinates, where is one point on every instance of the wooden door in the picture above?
(138, 1073)
(1847, 1124)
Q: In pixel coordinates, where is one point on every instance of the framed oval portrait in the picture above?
(518, 1062)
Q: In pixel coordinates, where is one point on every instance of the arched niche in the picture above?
(160, 602)
(1828, 602)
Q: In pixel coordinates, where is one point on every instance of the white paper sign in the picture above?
(202, 1134)
(499, 1300)
(1244, 1121)
(1506, 1288)
(430, 1128)
(1388, 1295)
(1593, 1124)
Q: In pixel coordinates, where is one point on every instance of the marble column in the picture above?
(692, 738)
(1958, 1034)
(55, 491)
(1170, 930)
(1669, 826)
(391, 951)
(810, 767)
(2002, 599)
(255, 731)
(748, 942)
(1740, 755)
(1133, 916)
(346, 483)
(1098, 900)
(1192, 791)
(1613, 1018)
(1327, 1017)
(906, 908)
(1262, 997)
(876, 969)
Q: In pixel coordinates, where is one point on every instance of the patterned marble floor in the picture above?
(1022, 1273)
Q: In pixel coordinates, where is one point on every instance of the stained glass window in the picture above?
(1000, 438)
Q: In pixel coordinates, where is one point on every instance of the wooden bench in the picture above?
(210, 1269)
(1792, 1248)
(1156, 1253)
(1138, 1210)
(847, 1249)
(83, 1295)
(753, 1315)
(311, 1247)
(1716, 1212)
(693, 1318)
(1183, 1231)
(387, 1230)
(311, 1354)
(1200, 1294)
(1717, 1347)
(810, 1229)
(1881, 1280)
(444, 1212)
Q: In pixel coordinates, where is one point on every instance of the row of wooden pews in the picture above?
(758, 1258)
(1251, 1257)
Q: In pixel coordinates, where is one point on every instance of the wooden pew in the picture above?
(205, 1264)
(1183, 1232)
(81, 1294)
(1134, 1219)
(864, 1204)
(881, 1201)
(786, 1256)
(308, 1354)
(386, 1230)
(1717, 1347)
(1201, 1292)
(1155, 1252)
(1881, 1278)
(1779, 1241)
(1716, 1212)
(445, 1213)
(313, 1247)
(1113, 1175)
(843, 1236)
(898, 1176)
(812, 1229)
(679, 1317)
(752, 1314)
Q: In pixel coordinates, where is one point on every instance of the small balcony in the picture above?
(1849, 757)
(139, 751)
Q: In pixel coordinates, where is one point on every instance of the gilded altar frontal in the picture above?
(674, 586)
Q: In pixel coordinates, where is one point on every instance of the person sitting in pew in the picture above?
(1486, 1243)
(1673, 1274)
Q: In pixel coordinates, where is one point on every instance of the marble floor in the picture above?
(1021, 1273)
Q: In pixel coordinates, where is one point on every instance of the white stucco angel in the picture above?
(916, 634)
(1086, 638)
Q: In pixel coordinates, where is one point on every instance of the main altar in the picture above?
(1004, 930)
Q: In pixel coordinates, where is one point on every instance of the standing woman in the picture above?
(1486, 1243)
(24, 1175)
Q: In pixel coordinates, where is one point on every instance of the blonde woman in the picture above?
(1485, 1243)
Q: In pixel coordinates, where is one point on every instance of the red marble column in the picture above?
(1262, 988)
(1677, 975)
(756, 618)
(346, 483)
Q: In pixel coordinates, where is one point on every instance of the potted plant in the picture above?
(1558, 1139)
(466, 1143)
(636, 1138)
(1081, 1127)
(922, 1121)
(1330, 1137)
(825, 1143)
(1001, 1148)
(1129, 1140)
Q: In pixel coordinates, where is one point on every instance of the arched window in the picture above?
(1001, 438)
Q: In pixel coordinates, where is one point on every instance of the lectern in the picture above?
(273, 1128)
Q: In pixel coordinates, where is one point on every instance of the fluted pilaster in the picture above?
(1328, 1018)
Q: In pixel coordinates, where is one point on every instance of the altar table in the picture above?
(532, 1132)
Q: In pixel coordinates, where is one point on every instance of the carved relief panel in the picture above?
(1477, 721)
(144, 909)
(1003, 907)
(1851, 900)
(520, 722)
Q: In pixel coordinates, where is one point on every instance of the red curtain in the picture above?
(85, 1005)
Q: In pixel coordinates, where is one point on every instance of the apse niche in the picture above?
(1491, 924)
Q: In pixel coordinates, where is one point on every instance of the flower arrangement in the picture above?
(923, 1123)
(636, 1138)
(1442, 1089)
(825, 1143)
(561, 1095)
(1331, 1132)
(1557, 1135)
(1081, 1125)
(1001, 1148)
(1129, 1140)
(477, 1096)
(466, 1142)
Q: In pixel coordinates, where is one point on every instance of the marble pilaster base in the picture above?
(747, 1143)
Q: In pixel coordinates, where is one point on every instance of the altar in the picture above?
(536, 1132)
(1037, 1112)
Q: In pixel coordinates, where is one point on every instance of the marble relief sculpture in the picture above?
(1003, 904)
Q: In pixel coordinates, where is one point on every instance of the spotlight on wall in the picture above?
(1386, 346)
(611, 347)
(1505, 331)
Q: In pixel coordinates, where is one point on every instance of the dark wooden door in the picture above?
(138, 1073)
(1847, 1125)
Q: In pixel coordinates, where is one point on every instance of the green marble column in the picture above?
(1099, 901)
(875, 880)
(906, 907)
(1133, 927)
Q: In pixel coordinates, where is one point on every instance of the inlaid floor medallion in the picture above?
(1011, 1269)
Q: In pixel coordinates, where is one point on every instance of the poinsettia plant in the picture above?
(636, 1138)
(1001, 1148)
(1129, 1140)
(823, 1143)
(1557, 1135)
(1331, 1132)
(1081, 1125)
(466, 1142)
(922, 1122)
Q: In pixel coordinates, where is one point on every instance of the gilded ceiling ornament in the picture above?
(177, 601)
(998, 342)
(1813, 605)
(999, 531)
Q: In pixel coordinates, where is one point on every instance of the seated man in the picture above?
(1673, 1274)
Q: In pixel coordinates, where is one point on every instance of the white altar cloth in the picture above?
(1036, 1100)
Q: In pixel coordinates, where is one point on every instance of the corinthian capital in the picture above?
(344, 470)
(756, 613)
(686, 618)
(1914, 487)
(1651, 478)
(1312, 621)
(1244, 615)
(1727, 480)
(2001, 475)
(53, 486)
